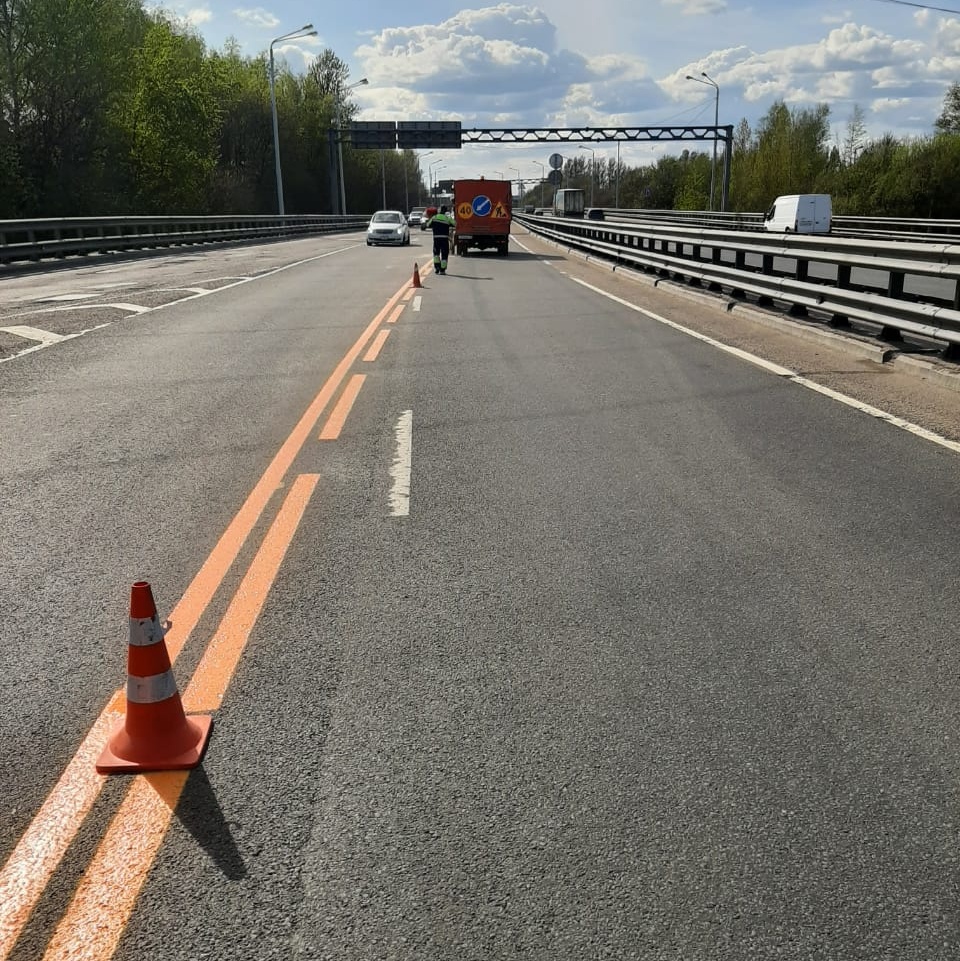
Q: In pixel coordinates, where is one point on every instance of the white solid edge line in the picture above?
(786, 373)
(400, 470)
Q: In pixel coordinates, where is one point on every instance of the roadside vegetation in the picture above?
(108, 109)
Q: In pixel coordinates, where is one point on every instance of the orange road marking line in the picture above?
(377, 345)
(107, 892)
(392, 319)
(216, 667)
(40, 850)
(43, 845)
(410, 292)
(338, 416)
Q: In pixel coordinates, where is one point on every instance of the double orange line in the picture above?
(105, 897)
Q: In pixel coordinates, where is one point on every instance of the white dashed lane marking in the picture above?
(400, 471)
(133, 308)
(34, 333)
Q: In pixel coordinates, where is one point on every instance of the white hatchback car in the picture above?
(388, 227)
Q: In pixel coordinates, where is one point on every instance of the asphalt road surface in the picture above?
(531, 625)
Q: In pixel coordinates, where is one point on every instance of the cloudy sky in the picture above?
(570, 63)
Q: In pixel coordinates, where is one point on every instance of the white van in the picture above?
(799, 214)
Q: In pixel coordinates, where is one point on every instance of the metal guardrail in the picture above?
(901, 228)
(35, 240)
(709, 249)
(777, 267)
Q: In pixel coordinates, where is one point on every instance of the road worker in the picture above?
(442, 224)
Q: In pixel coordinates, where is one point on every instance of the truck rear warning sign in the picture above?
(464, 211)
(500, 211)
(481, 206)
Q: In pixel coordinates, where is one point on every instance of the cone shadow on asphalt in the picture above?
(200, 813)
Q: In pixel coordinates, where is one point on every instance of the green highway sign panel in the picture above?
(418, 134)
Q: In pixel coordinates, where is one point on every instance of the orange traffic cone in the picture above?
(155, 734)
(416, 276)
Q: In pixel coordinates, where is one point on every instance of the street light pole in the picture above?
(430, 166)
(383, 178)
(343, 188)
(543, 176)
(616, 199)
(716, 123)
(519, 184)
(419, 175)
(593, 168)
(305, 31)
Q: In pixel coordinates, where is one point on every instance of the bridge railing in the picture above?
(34, 240)
(902, 228)
(902, 287)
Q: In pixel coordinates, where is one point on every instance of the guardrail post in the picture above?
(895, 285)
(890, 335)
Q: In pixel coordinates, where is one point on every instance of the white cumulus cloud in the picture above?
(257, 17)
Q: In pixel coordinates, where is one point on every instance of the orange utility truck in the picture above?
(482, 211)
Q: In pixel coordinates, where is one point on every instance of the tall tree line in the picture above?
(106, 108)
(793, 151)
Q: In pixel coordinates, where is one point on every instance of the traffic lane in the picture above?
(657, 731)
(184, 265)
(67, 302)
(627, 679)
(126, 455)
(911, 392)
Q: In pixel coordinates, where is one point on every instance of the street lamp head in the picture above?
(305, 31)
(360, 83)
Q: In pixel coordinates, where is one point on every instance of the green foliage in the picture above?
(170, 120)
(243, 179)
(692, 191)
(64, 64)
(108, 108)
(949, 120)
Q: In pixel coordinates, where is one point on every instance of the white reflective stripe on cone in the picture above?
(151, 690)
(145, 631)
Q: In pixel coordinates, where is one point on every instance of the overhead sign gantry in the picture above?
(449, 134)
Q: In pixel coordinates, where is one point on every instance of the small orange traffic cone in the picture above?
(155, 734)
(416, 276)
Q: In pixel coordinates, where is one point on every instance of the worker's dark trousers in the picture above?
(441, 251)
